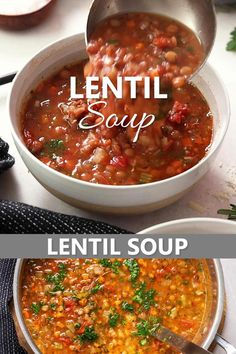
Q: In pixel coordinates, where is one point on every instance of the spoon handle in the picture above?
(229, 348)
(165, 335)
(7, 78)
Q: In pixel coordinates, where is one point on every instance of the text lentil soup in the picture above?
(113, 306)
(177, 140)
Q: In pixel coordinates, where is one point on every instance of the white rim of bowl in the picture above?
(219, 271)
(10, 102)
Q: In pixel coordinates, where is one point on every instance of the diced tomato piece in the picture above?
(69, 304)
(120, 161)
(82, 328)
(185, 323)
(65, 340)
(110, 288)
(178, 112)
(163, 42)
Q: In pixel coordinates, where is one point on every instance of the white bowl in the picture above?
(194, 226)
(103, 198)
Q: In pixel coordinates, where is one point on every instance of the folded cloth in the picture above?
(21, 218)
(6, 160)
(18, 218)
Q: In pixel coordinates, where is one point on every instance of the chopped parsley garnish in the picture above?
(190, 49)
(53, 306)
(113, 41)
(113, 319)
(143, 341)
(231, 46)
(146, 329)
(127, 307)
(107, 263)
(231, 213)
(96, 288)
(78, 325)
(57, 278)
(133, 267)
(143, 328)
(144, 297)
(53, 146)
(36, 307)
(145, 178)
(58, 287)
(89, 335)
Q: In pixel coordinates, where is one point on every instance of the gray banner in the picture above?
(117, 246)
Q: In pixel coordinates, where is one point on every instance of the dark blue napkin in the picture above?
(6, 160)
(21, 218)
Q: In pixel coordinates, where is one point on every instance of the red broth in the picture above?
(177, 140)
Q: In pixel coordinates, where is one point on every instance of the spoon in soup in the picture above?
(186, 347)
(199, 16)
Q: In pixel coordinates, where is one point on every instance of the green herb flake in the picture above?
(36, 307)
(114, 266)
(78, 325)
(146, 328)
(143, 342)
(113, 41)
(53, 147)
(96, 288)
(190, 49)
(231, 213)
(113, 319)
(145, 178)
(89, 335)
(53, 306)
(133, 267)
(231, 46)
(57, 278)
(144, 297)
(127, 307)
(143, 328)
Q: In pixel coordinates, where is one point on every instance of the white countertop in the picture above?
(216, 190)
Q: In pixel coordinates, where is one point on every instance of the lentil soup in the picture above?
(112, 306)
(176, 141)
(139, 44)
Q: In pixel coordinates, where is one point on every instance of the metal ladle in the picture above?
(198, 15)
(186, 347)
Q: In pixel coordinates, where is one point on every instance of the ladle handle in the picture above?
(7, 78)
(223, 343)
